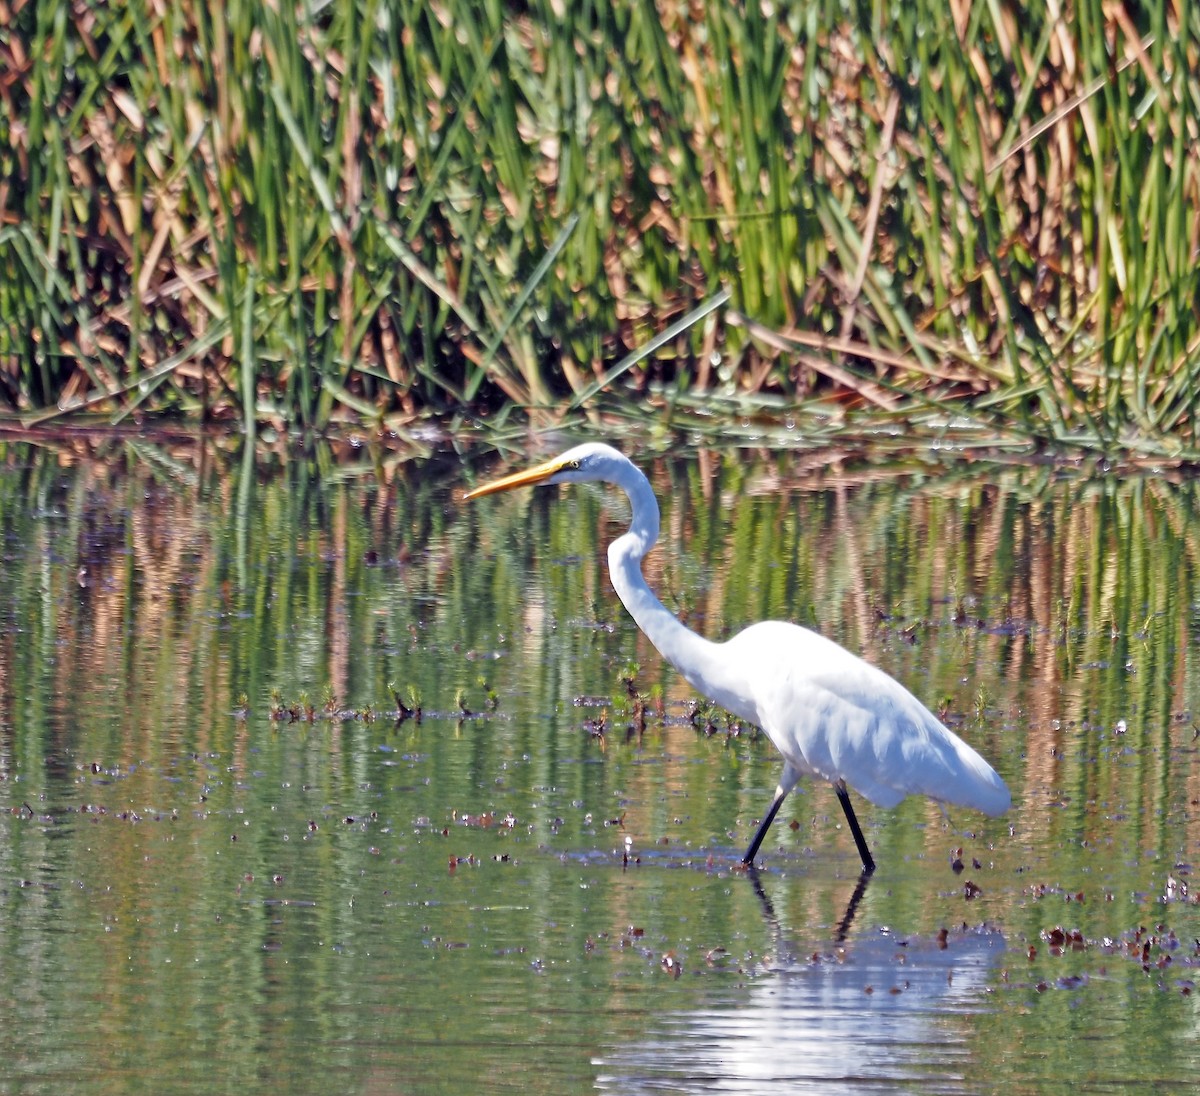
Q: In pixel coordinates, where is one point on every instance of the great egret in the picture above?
(829, 713)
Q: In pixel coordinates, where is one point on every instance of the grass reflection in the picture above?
(253, 894)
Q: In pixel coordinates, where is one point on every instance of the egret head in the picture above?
(588, 462)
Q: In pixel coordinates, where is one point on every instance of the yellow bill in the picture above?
(538, 474)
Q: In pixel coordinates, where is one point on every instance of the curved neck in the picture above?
(696, 658)
(625, 556)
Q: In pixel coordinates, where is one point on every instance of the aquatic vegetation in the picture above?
(953, 217)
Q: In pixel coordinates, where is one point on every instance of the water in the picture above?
(224, 863)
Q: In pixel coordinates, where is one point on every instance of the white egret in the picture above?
(829, 713)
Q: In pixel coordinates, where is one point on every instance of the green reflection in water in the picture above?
(196, 898)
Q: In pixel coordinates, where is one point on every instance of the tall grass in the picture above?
(356, 210)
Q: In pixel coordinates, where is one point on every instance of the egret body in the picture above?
(831, 714)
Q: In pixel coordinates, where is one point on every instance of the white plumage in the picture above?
(829, 713)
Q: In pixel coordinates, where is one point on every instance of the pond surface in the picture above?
(226, 864)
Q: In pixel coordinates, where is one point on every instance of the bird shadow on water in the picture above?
(857, 1011)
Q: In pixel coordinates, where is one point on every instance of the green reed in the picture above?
(373, 212)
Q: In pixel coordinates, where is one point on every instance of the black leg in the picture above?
(859, 840)
(764, 825)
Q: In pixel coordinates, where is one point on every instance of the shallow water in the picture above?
(224, 862)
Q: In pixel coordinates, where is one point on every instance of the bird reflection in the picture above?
(874, 1011)
(843, 926)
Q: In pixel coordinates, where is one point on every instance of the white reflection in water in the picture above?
(876, 1013)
